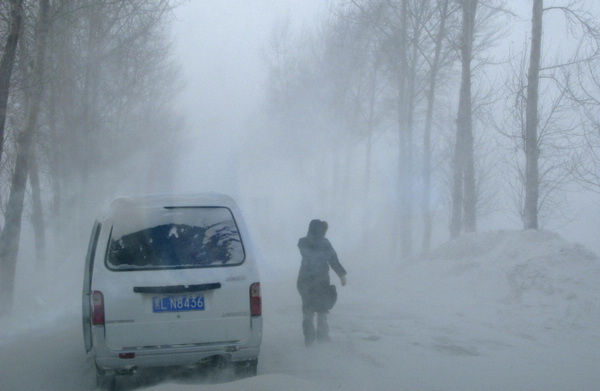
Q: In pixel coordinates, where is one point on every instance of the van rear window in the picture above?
(175, 238)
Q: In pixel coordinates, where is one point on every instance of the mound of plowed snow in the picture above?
(517, 277)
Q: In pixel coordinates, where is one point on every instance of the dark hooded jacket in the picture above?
(317, 256)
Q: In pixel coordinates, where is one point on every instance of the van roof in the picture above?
(150, 201)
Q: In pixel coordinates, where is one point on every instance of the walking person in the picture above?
(318, 296)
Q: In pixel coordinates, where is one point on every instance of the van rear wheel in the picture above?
(105, 381)
(246, 368)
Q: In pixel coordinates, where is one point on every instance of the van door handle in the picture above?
(177, 288)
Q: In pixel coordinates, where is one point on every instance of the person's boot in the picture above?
(322, 333)
(309, 331)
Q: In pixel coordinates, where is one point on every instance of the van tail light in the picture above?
(255, 300)
(97, 308)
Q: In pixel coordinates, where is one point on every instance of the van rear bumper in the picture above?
(108, 360)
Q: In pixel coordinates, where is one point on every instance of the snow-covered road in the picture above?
(466, 321)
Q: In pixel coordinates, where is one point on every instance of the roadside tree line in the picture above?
(85, 109)
(477, 127)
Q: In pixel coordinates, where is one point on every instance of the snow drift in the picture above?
(530, 276)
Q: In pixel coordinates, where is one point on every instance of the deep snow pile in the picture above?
(517, 278)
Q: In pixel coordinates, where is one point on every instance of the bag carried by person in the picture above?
(330, 297)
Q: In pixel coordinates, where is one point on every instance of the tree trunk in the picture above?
(456, 220)
(9, 238)
(8, 60)
(371, 123)
(370, 127)
(37, 216)
(55, 172)
(404, 134)
(464, 200)
(435, 65)
(530, 210)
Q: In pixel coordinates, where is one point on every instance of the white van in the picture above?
(171, 281)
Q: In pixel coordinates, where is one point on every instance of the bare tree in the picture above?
(550, 118)
(37, 209)
(385, 64)
(401, 46)
(98, 93)
(557, 124)
(9, 238)
(582, 85)
(530, 212)
(586, 96)
(112, 86)
(392, 80)
(7, 62)
(464, 198)
(435, 65)
(409, 38)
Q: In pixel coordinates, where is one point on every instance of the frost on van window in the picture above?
(178, 245)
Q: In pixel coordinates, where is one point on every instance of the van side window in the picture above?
(177, 238)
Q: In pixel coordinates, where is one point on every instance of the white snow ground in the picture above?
(507, 310)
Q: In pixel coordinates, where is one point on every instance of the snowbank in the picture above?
(525, 303)
(516, 275)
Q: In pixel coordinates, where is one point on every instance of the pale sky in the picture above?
(220, 44)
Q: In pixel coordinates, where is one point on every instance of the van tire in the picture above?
(106, 382)
(246, 368)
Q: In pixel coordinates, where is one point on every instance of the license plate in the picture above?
(178, 303)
